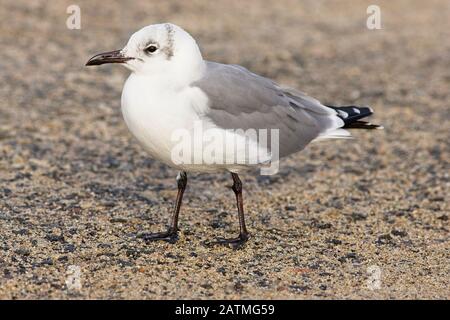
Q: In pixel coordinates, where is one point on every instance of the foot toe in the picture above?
(168, 236)
(234, 243)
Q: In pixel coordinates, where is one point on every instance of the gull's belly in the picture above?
(152, 129)
(154, 118)
(157, 116)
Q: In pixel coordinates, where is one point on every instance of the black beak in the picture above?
(108, 57)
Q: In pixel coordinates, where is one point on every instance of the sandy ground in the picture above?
(76, 188)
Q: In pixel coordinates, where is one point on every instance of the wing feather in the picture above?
(240, 99)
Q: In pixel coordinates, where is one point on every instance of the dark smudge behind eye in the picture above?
(168, 50)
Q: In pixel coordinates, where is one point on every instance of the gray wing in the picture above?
(239, 99)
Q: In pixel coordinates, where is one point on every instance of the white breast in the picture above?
(153, 112)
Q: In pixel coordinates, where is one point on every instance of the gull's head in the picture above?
(156, 50)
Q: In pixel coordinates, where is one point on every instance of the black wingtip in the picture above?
(350, 114)
(363, 125)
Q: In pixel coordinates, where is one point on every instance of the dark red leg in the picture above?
(243, 233)
(171, 235)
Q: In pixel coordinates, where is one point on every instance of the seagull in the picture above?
(171, 89)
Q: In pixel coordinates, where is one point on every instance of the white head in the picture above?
(159, 50)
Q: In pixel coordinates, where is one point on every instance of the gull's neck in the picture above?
(178, 75)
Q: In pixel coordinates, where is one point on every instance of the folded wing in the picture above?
(240, 99)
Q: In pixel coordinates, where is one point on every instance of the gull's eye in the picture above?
(151, 48)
